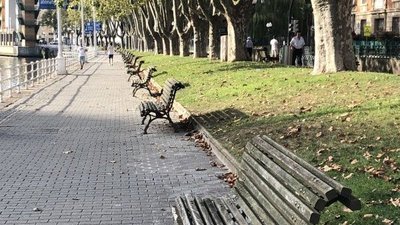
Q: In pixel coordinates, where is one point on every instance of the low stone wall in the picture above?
(385, 65)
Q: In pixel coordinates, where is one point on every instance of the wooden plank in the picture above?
(350, 202)
(223, 211)
(213, 211)
(248, 212)
(302, 174)
(196, 217)
(283, 206)
(182, 211)
(240, 220)
(203, 211)
(345, 191)
(255, 207)
(262, 162)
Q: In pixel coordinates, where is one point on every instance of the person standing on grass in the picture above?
(297, 44)
(110, 51)
(82, 55)
(274, 47)
(249, 47)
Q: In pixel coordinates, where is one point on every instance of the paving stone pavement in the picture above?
(73, 153)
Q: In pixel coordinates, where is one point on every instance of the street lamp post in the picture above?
(61, 67)
(82, 25)
(94, 31)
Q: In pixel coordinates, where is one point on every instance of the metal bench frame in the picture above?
(160, 109)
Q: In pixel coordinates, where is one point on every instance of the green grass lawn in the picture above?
(347, 124)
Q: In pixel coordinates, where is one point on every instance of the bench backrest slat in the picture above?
(345, 191)
(303, 175)
(262, 162)
(170, 88)
(280, 201)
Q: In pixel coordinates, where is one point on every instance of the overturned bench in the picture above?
(160, 109)
(275, 187)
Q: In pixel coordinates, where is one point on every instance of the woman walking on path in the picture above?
(110, 51)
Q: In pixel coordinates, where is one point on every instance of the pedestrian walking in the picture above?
(297, 44)
(82, 55)
(110, 52)
(249, 47)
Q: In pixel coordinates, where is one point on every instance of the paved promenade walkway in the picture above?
(73, 153)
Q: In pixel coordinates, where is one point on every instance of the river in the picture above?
(6, 62)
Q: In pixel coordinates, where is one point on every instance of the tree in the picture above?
(237, 14)
(49, 19)
(333, 41)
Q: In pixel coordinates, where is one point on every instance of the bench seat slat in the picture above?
(182, 211)
(203, 211)
(297, 188)
(222, 208)
(281, 200)
(345, 191)
(195, 213)
(235, 211)
(213, 211)
(249, 213)
(297, 170)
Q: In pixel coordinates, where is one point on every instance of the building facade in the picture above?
(374, 17)
(18, 26)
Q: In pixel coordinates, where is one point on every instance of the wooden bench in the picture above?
(143, 82)
(160, 109)
(136, 70)
(127, 57)
(132, 63)
(274, 187)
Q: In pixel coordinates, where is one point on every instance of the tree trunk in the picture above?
(236, 39)
(333, 41)
(174, 43)
(184, 41)
(237, 14)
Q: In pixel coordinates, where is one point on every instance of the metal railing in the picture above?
(25, 75)
(377, 48)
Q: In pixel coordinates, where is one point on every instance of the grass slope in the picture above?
(347, 124)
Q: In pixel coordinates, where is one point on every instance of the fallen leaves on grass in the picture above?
(367, 155)
(347, 176)
(330, 167)
(395, 202)
(292, 132)
(354, 161)
(345, 117)
(377, 172)
(387, 221)
(396, 189)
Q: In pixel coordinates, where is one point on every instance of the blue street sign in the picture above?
(47, 4)
(89, 27)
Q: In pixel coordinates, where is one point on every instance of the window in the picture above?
(379, 25)
(395, 25)
(379, 4)
(363, 23)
